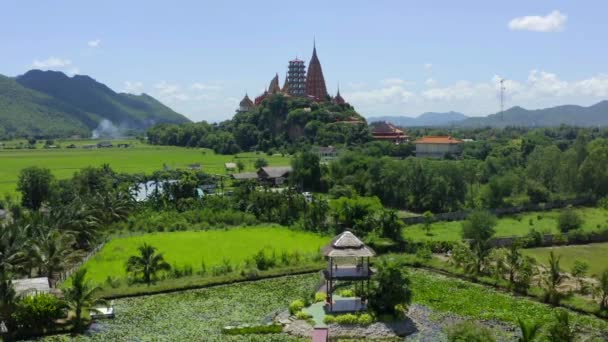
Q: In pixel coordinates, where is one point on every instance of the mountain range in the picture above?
(591, 116)
(51, 104)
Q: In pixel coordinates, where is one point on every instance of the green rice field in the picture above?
(192, 247)
(513, 225)
(595, 254)
(138, 158)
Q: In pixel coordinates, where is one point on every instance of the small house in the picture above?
(31, 286)
(274, 175)
(438, 146)
(327, 153)
(243, 176)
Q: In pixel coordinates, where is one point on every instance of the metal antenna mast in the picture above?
(502, 98)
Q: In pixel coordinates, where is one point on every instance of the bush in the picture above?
(320, 297)
(347, 293)
(36, 313)
(303, 315)
(113, 282)
(224, 268)
(351, 319)
(347, 319)
(271, 328)
(469, 332)
(569, 220)
(296, 306)
(365, 319)
(329, 319)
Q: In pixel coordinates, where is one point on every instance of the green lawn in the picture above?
(212, 246)
(596, 255)
(515, 225)
(136, 159)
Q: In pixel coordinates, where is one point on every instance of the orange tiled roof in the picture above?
(434, 139)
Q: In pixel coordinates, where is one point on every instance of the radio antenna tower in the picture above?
(502, 98)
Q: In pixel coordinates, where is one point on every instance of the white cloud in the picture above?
(166, 88)
(94, 43)
(393, 82)
(52, 63)
(133, 87)
(204, 86)
(428, 66)
(552, 22)
(540, 89)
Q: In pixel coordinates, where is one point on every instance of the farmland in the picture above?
(212, 246)
(139, 158)
(596, 255)
(513, 225)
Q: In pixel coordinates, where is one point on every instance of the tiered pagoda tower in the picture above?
(296, 78)
(315, 82)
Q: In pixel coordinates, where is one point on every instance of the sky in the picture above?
(387, 57)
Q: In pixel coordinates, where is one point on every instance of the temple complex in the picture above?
(388, 132)
(246, 104)
(300, 83)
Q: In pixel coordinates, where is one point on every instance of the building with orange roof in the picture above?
(438, 146)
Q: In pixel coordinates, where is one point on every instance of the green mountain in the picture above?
(51, 104)
(595, 115)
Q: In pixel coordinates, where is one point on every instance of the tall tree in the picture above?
(147, 263)
(391, 287)
(35, 185)
(552, 280)
(81, 296)
(306, 172)
(53, 251)
(479, 227)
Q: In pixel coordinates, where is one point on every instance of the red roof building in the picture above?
(388, 132)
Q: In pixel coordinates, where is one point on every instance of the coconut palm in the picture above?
(81, 296)
(552, 280)
(8, 302)
(529, 331)
(53, 251)
(12, 239)
(147, 263)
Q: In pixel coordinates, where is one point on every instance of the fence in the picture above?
(66, 274)
(462, 214)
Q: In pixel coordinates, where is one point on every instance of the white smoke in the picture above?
(106, 129)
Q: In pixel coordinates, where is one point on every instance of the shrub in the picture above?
(303, 315)
(469, 332)
(329, 319)
(112, 282)
(347, 319)
(424, 253)
(296, 306)
(365, 319)
(569, 220)
(224, 268)
(320, 297)
(36, 313)
(347, 293)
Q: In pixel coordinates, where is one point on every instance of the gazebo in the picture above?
(348, 260)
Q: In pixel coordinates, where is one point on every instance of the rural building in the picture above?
(230, 167)
(123, 145)
(438, 146)
(31, 286)
(385, 131)
(274, 175)
(245, 176)
(328, 153)
(104, 144)
(348, 260)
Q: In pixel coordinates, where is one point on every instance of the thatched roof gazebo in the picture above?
(348, 260)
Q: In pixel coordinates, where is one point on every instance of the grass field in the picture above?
(596, 255)
(136, 159)
(192, 247)
(516, 225)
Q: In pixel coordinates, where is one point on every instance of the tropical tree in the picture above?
(479, 227)
(552, 280)
(8, 305)
(240, 166)
(579, 271)
(561, 330)
(35, 185)
(147, 263)
(53, 251)
(529, 330)
(13, 238)
(428, 220)
(603, 290)
(391, 287)
(81, 296)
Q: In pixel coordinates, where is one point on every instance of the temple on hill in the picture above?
(388, 132)
(301, 83)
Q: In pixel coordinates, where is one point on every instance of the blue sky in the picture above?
(389, 57)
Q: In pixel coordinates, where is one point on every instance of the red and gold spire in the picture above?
(315, 83)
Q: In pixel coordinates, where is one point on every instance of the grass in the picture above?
(140, 158)
(596, 255)
(513, 225)
(192, 247)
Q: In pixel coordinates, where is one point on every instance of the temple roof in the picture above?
(347, 245)
(315, 83)
(438, 140)
(383, 128)
(274, 85)
(246, 101)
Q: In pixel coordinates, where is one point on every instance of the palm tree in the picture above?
(529, 331)
(603, 290)
(552, 280)
(53, 251)
(147, 263)
(12, 239)
(80, 296)
(8, 302)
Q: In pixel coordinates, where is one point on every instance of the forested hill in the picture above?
(279, 123)
(51, 104)
(592, 116)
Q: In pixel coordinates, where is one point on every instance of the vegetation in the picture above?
(569, 220)
(147, 264)
(470, 332)
(479, 227)
(391, 287)
(592, 254)
(80, 297)
(530, 331)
